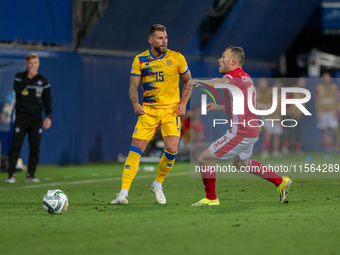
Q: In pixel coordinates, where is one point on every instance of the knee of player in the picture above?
(239, 163)
(202, 160)
(171, 150)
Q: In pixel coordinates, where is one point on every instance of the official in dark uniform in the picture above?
(33, 94)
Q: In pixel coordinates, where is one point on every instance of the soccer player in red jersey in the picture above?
(237, 144)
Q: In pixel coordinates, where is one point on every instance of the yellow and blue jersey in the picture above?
(160, 77)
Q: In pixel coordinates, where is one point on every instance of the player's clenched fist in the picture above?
(181, 109)
(139, 110)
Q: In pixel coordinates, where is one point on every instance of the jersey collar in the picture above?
(161, 57)
(236, 69)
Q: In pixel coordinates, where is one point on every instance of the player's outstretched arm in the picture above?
(186, 93)
(212, 82)
(133, 94)
(211, 107)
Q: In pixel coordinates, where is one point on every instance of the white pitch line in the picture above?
(88, 181)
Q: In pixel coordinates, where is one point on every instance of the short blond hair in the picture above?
(155, 27)
(31, 56)
(238, 52)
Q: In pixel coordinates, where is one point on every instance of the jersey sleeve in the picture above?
(230, 75)
(135, 68)
(183, 65)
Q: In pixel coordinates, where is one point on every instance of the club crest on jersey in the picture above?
(39, 83)
(169, 62)
(24, 92)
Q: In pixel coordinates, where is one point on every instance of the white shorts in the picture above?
(275, 129)
(327, 120)
(229, 146)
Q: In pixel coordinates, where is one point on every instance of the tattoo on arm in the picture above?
(186, 93)
(133, 89)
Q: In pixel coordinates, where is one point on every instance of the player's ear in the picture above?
(150, 40)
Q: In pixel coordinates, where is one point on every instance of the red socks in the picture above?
(209, 179)
(255, 167)
(259, 169)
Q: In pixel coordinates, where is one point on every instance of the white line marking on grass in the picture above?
(89, 181)
(94, 175)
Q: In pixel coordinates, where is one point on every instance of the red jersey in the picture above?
(241, 125)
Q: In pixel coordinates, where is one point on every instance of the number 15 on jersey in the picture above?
(159, 76)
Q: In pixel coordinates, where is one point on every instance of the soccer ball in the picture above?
(55, 201)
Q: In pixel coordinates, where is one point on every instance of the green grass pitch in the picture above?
(249, 220)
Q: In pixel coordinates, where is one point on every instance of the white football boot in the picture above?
(160, 198)
(120, 199)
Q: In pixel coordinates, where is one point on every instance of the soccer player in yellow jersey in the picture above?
(159, 69)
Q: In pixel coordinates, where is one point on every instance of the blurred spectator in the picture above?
(185, 133)
(197, 136)
(326, 101)
(274, 127)
(264, 102)
(5, 119)
(293, 134)
(6, 113)
(196, 130)
(184, 142)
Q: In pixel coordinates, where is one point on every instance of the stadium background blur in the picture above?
(86, 48)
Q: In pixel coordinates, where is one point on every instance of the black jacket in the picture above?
(32, 95)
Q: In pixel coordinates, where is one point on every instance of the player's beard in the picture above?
(160, 50)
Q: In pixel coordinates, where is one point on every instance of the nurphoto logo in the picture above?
(238, 103)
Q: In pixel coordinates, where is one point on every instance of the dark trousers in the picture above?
(32, 125)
